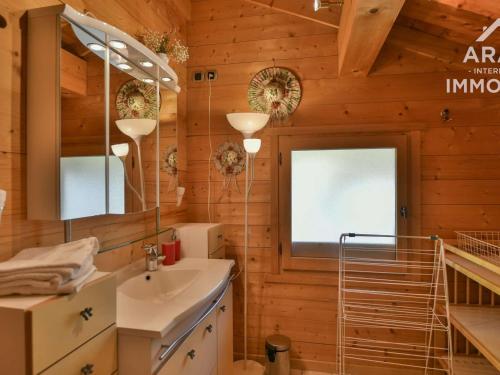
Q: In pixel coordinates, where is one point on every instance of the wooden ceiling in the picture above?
(437, 29)
(458, 21)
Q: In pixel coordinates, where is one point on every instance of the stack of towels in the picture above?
(61, 269)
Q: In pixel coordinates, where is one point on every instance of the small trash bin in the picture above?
(277, 355)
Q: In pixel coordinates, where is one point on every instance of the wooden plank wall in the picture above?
(460, 159)
(15, 231)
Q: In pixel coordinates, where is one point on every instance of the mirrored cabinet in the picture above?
(93, 101)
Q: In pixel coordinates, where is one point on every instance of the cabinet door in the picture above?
(225, 334)
(197, 355)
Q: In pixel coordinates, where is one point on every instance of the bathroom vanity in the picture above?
(178, 320)
(55, 335)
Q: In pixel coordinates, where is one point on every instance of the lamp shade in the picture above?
(136, 128)
(247, 122)
(120, 149)
(252, 145)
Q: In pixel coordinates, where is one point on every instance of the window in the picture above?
(83, 177)
(333, 185)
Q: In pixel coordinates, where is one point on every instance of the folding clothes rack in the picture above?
(393, 304)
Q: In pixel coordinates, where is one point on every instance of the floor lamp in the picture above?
(247, 124)
(136, 129)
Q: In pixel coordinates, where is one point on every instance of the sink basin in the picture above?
(159, 286)
(157, 304)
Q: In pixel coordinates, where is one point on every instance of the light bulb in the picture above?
(117, 44)
(146, 64)
(252, 145)
(317, 5)
(166, 79)
(96, 47)
(120, 149)
(148, 80)
(124, 66)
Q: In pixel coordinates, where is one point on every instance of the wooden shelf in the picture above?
(481, 326)
(474, 271)
(473, 258)
(469, 365)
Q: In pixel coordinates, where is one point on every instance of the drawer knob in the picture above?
(87, 369)
(223, 308)
(86, 313)
(191, 354)
(209, 328)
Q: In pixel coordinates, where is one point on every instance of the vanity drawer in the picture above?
(100, 353)
(204, 346)
(57, 327)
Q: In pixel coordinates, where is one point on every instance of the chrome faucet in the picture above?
(152, 257)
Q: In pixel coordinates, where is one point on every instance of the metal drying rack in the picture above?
(393, 304)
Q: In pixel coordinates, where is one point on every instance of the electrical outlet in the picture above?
(211, 75)
(198, 76)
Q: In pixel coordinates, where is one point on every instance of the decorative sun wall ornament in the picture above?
(275, 91)
(170, 160)
(136, 99)
(229, 159)
(169, 165)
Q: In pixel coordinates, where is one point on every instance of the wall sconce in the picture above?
(321, 4)
(3, 198)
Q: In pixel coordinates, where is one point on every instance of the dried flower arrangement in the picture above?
(166, 43)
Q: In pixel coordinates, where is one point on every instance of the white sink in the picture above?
(153, 304)
(159, 287)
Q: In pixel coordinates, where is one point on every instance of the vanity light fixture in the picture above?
(166, 79)
(148, 80)
(124, 66)
(117, 44)
(96, 47)
(321, 4)
(146, 64)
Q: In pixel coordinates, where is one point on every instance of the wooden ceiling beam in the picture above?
(296, 8)
(364, 27)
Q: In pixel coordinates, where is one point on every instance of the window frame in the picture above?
(407, 145)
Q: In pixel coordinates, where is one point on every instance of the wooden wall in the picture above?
(460, 159)
(15, 231)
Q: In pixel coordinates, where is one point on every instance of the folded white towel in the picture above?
(51, 279)
(64, 260)
(72, 286)
(54, 275)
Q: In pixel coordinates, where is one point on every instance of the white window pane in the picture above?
(339, 191)
(83, 186)
(116, 186)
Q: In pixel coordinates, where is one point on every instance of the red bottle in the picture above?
(168, 251)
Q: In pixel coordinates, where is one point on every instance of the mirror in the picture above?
(83, 129)
(133, 140)
(108, 106)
